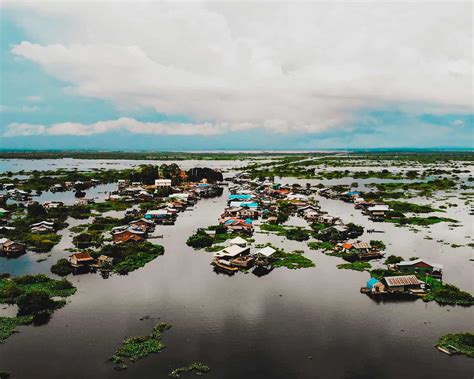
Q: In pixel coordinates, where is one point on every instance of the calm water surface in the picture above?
(310, 323)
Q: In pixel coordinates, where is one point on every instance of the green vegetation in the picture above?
(419, 188)
(463, 342)
(8, 325)
(376, 244)
(404, 207)
(130, 256)
(33, 295)
(267, 227)
(447, 294)
(420, 221)
(297, 234)
(357, 266)
(321, 245)
(200, 239)
(62, 267)
(198, 367)
(393, 259)
(135, 348)
(292, 261)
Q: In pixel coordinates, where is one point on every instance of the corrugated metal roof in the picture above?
(361, 245)
(405, 280)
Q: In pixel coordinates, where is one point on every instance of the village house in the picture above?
(11, 248)
(105, 261)
(42, 227)
(403, 284)
(375, 286)
(239, 241)
(79, 260)
(232, 251)
(128, 235)
(233, 224)
(4, 213)
(363, 250)
(53, 204)
(421, 266)
(377, 212)
(162, 183)
(143, 224)
(2, 241)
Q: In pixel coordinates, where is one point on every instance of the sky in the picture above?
(236, 75)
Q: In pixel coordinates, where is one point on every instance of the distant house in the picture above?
(375, 286)
(53, 204)
(163, 182)
(11, 248)
(232, 251)
(239, 241)
(234, 224)
(104, 260)
(2, 241)
(244, 213)
(157, 214)
(378, 211)
(42, 227)
(78, 260)
(265, 252)
(4, 213)
(404, 283)
(128, 235)
(144, 224)
(421, 266)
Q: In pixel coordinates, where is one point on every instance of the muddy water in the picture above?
(310, 323)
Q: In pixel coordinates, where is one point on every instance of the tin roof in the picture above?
(405, 280)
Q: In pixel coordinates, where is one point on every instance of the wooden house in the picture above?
(79, 260)
(421, 266)
(128, 235)
(404, 283)
(11, 248)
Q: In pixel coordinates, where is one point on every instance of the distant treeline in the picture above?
(143, 155)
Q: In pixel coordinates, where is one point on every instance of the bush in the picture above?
(61, 268)
(199, 240)
(35, 302)
(393, 259)
(297, 234)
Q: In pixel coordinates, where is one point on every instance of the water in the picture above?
(247, 326)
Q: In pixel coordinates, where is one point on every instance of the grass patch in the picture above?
(8, 325)
(198, 367)
(292, 261)
(420, 221)
(321, 245)
(356, 266)
(464, 342)
(135, 348)
(447, 294)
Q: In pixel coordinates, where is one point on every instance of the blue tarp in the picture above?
(240, 197)
(371, 283)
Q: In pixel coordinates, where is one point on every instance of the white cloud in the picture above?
(122, 124)
(287, 67)
(34, 99)
(18, 108)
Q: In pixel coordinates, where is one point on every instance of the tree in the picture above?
(35, 302)
(199, 240)
(36, 210)
(61, 268)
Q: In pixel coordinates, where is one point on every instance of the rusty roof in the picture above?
(82, 256)
(405, 280)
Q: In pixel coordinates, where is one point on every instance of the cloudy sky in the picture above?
(227, 75)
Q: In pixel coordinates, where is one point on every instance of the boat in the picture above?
(448, 349)
(225, 265)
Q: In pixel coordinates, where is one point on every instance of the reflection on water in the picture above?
(310, 323)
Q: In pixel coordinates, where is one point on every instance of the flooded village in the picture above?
(301, 259)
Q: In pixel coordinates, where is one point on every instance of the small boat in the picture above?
(225, 265)
(449, 349)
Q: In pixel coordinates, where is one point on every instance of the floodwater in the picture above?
(309, 323)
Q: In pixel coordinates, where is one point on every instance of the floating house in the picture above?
(375, 286)
(162, 183)
(11, 248)
(79, 260)
(421, 266)
(128, 235)
(239, 241)
(232, 251)
(402, 284)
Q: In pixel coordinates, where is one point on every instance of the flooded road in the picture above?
(308, 323)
